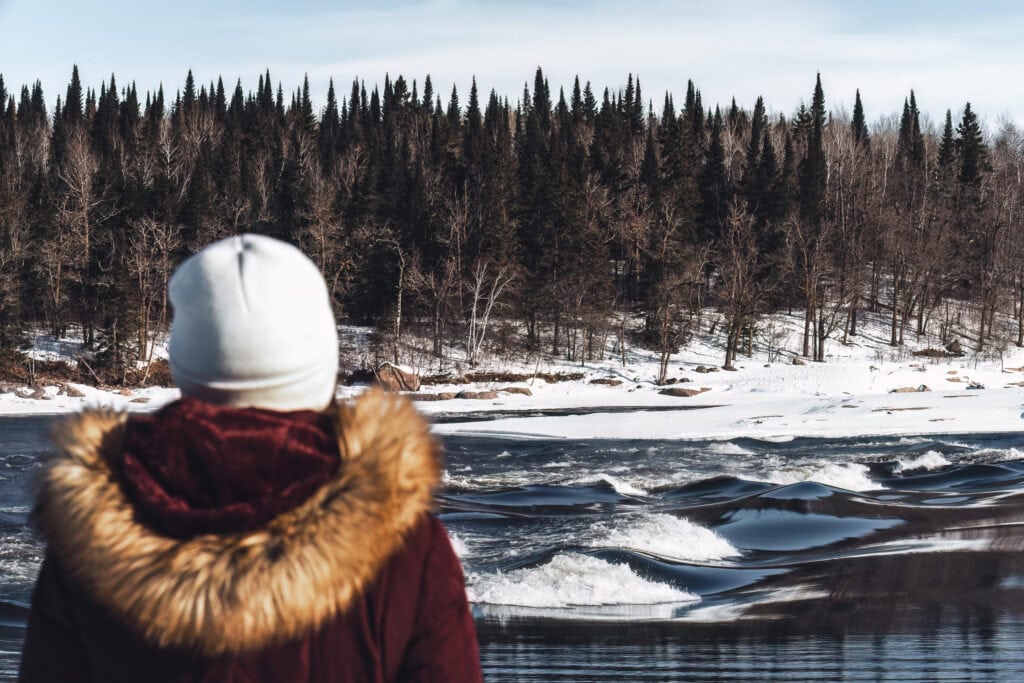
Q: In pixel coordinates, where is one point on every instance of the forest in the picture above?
(548, 225)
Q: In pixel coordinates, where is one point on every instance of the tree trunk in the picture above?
(894, 330)
(1020, 313)
(981, 326)
(808, 323)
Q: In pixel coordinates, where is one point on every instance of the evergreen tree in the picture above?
(973, 151)
(428, 93)
(758, 121)
(220, 106)
(72, 112)
(577, 102)
(947, 145)
(306, 118)
(858, 124)
(188, 100)
(714, 186)
(813, 168)
(330, 129)
(473, 135)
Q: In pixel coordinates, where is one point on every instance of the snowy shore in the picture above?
(852, 394)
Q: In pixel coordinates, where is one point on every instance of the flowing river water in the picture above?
(895, 558)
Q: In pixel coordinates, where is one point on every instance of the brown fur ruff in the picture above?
(221, 594)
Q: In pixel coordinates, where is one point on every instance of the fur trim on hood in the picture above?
(218, 594)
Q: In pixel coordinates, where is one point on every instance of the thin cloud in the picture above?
(741, 48)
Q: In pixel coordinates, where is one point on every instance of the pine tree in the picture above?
(911, 140)
(73, 113)
(220, 105)
(649, 169)
(188, 100)
(473, 136)
(306, 118)
(454, 114)
(757, 125)
(813, 169)
(577, 101)
(589, 104)
(714, 186)
(858, 124)
(428, 93)
(947, 146)
(330, 130)
(973, 151)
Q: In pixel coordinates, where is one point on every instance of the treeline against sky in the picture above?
(555, 214)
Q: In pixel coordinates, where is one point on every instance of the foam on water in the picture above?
(621, 487)
(569, 580)
(728, 448)
(20, 556)
(458, 545)
(667, 536)
(499, 480)
(849, 476)
(932, 460)
(997, 454)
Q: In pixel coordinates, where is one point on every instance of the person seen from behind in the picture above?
(253, 530)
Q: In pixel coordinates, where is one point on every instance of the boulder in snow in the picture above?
(477, 395)
(440, 396)
(910, 390)
(394, 378)
(683, 392)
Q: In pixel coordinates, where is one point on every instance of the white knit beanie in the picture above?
(253, 327)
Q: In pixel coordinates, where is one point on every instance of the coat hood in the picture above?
(247, 584)
(195, 468)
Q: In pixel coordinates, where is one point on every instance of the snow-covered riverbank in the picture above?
(866, 387)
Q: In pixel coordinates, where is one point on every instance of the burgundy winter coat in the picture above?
(230, 545)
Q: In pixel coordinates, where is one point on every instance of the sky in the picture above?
(948, 51)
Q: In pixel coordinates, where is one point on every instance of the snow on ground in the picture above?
(848, 395)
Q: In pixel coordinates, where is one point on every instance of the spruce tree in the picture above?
(812, 172)
(577, 101)
(947, 146)
(757, 125)
(73, 112)
(330, 130)
(713, 185)
(858, 124)
(188, 100)
(973, 151)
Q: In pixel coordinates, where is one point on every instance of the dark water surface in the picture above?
(812, 559)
